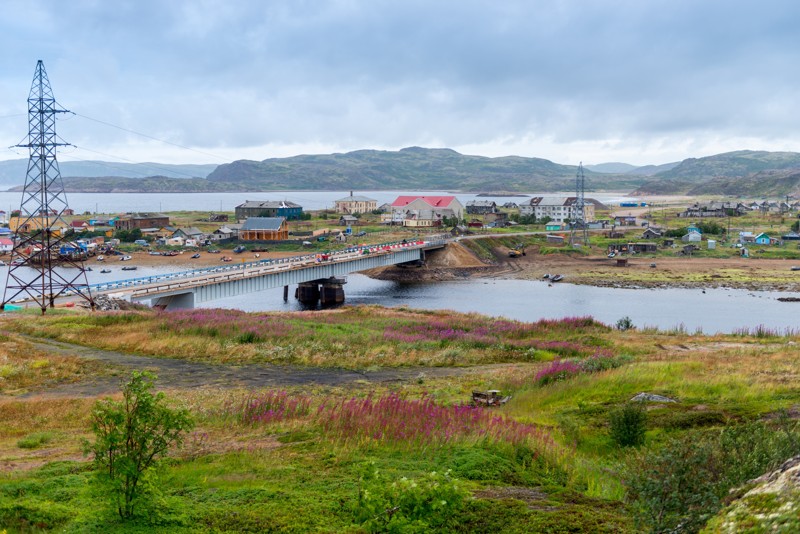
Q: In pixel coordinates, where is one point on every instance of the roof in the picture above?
(356, 198)
(145, 216)
(263, 223)
(78, 224)
(268, 204)
(434, 202)
(482, 203)
(6, 241)
(190, 231)
(348, 218)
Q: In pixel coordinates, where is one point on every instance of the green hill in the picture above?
(412, 169)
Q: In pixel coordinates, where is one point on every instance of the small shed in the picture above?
(553, 227)
(712, 244)
(692, 237)
(622, 262)
(555, 239)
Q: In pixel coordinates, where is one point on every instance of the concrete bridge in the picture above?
(318, 276)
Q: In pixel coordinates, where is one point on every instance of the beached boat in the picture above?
(546, 276)
(101, 257)
(126, 258)
(195, 255)
(129, 268)
(105, 271)
(557, 278)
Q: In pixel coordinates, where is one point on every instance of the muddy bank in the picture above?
(456, 262)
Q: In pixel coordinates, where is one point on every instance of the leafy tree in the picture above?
(796, 226)
(131, 437)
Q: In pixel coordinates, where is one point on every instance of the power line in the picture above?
(143, 165)
(150, 137)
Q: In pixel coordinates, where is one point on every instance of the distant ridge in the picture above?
(743, 172)
(13, 171)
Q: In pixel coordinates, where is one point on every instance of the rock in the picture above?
(771, 505)
(651, 397)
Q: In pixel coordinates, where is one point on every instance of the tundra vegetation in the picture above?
(569, 452)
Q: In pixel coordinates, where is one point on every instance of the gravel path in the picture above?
(173, 373)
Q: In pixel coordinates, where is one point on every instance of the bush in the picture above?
(625, 324)
(425, 504)
(35, 440)
(680, 486)
(628, 425)
(131, 436)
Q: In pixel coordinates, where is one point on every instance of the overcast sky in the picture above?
(638, 81)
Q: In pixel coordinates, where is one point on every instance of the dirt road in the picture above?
(182, 374)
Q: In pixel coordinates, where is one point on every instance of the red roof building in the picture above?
(427, 203)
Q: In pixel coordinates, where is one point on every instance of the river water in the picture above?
(709, 311)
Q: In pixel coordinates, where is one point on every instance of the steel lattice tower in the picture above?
(42, 236)
(579, 211)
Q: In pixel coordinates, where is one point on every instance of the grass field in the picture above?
(337, 458)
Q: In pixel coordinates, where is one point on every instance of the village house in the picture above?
(355, 204)
(625, 220)
(348, 220)
(481, 207)
(130, 221)
(746, 238)
(651, 233)
(6, 245)
(714, 209)
(264, 229)
(424, 210)
(692, 236)
(26, 225)
(269, 209)
(558, 209)
(764, 239)
(190, 233)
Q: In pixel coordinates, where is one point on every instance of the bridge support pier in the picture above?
(285, 293)
(332, 292)
(308, 292)
(327, 291)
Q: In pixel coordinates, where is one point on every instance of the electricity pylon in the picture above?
(579, 212)
(44, 263)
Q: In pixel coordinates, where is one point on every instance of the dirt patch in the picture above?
(183, 374)
(533, 497)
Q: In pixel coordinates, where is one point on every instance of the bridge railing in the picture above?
(351, 253)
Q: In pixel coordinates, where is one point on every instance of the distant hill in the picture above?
(412, 169)
(611, 168)
(772, 183)
(650, 170)
(743, 173)
(13, 171)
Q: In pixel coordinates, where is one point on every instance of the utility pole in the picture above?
(41, 235)
(579, 212)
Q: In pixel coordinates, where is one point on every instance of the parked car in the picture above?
(362, 233)
(141, 243)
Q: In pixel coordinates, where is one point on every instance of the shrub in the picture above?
(626, 323)
(35, 440)
(130, 438)
(628, 425)
(425, 504)
(678, 487)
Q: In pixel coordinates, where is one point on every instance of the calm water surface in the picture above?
(716, 310)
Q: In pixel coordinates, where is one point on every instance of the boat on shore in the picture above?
(557, 278)
(101, 258)
(129, 268)
(125, 258)
(105, 271)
